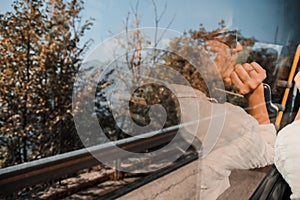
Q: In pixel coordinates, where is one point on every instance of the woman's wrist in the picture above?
(258, 92)
(257, 105)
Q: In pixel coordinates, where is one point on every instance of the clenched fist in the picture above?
(247, 77)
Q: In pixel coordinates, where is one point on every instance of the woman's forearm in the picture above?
(257, 105)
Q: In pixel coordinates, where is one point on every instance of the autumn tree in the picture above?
(40, 54)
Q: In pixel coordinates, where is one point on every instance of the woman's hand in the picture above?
(247, 77)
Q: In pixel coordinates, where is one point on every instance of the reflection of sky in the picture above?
(259, 45)
(258, 18)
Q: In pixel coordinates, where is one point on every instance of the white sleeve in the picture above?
(247, 143)
(231, 139)
(287, 156)
(228, 127)
(243, 144)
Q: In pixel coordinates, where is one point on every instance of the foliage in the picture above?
(39, 57)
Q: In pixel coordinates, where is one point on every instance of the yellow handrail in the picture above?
(287, 89)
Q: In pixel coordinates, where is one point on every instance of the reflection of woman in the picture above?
(246, 140)
(287, 154)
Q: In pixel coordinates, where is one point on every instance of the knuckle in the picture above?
(265, 74)
(245, 65)
(237, 67)
(243, 91)
(254, 63)
(253, 86)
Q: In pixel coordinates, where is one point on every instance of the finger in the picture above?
(236, 81)
(248, 67)
(255, 78)
(261, 72)
(242, 73)
(250, 70)
(259, 69)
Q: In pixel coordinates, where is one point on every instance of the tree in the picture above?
(142, 98)
(39, 57)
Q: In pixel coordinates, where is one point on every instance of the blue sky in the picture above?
(257, 18)
(254, 18)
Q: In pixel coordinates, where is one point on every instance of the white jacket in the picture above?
(232, 139)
